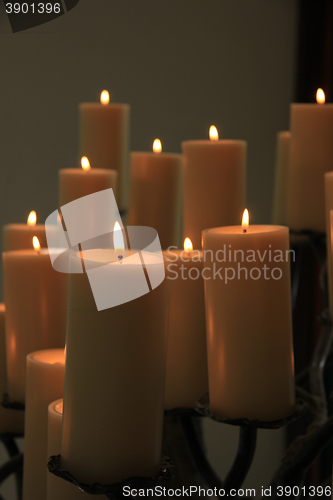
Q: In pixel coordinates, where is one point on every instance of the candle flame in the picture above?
(105, 97)
(35, 243)
(320, 96)
(32, 219)
(213, 133)
(85, 163)
(188, 246)
(118, 239)
(245, 220)
(157, 146)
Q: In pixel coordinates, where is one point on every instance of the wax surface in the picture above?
(155, 189)
(36, 309)
(104, 139)
(186, 373)
(44, 384)
(214, 185)
(249, 329)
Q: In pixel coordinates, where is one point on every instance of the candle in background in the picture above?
(281, 178)
(115, 377)
(328, 208)
(214, 184)
(11, 421)
(186, 372)
(104, 139)
(19, 236)
(75, 183)
(155, 193)
(311, 155)
(57, 488)
(36, 309)
(44, 384)
(249, 329)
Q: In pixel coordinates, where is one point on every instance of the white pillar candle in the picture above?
(214, 185)
(281, 178)
(186, 372)
(249, 327)
(44, 384)
(11, 421)
(57, 488)
(19, 236)
(115, 376)
(311, 155)
(36, 309)
(75, 183)
(155, 189)
(104, 139)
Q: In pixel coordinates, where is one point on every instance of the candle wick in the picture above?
(120, 258)
(244, 230)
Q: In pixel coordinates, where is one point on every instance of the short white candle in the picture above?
(45, 383)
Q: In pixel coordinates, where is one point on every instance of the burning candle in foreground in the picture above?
(248, 317)
(155, 189)
(186, 373)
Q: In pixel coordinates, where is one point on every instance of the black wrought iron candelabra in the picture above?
(182, 442)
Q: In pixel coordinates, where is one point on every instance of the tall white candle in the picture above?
(214, 185)
(115, 375)
(311, 155)
(104, 139)
(155, 189)
(249, 328)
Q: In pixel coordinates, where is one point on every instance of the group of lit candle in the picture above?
(124, 365)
